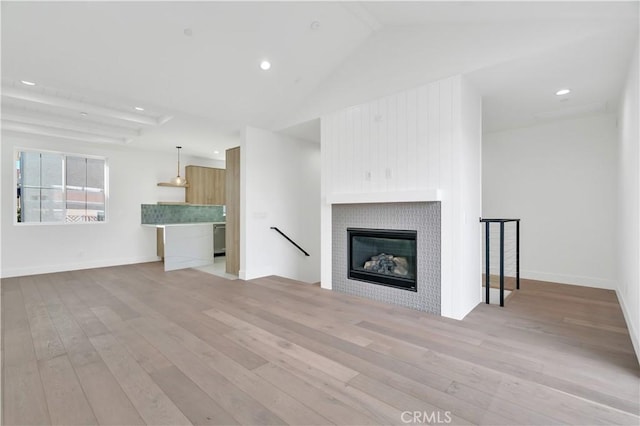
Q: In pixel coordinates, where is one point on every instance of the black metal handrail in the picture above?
(290, 240)
(488, 222)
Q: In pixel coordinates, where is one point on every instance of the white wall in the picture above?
(133, 175)
(559, 178)
(628, 219)
(425, 139)
(466, 292)
(280, 186)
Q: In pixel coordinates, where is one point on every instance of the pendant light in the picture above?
(178, 180)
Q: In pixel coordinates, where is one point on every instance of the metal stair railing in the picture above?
(290, 240)
(487, 223)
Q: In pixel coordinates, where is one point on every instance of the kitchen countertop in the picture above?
(162, 225)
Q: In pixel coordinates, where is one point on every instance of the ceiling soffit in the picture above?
(47, 112)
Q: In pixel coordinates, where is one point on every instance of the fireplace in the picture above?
(383, 256)
(421, 217)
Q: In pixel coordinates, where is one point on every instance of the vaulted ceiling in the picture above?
(193, 67)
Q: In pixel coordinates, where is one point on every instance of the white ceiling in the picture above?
(193, 66)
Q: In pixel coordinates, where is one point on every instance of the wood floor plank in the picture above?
(110, 404)
(283, 405)
(92, 294)
(192, 401)
(591, 373)
(236, 402)
(356, 398)
(597, 325)
(74, 340)
(565, 407)
(200, 326)
(371, 406)
(23, 402)
(14, 315)
(65, 397)
(335, 410)
(352, 356)
(381, 370)
(47, 292)
(108, 401)
(231, 349)
(309, 316)
(146, 346)
(46, 341)
(469, 392)
(10, 284)
(144, 353)
(16, 334)
(498, 360)
(151, 402)
(406, 402)
(296, 351)
(90, 325)
(555, 332)
(360, 401)
(203, 326)
(631, 407)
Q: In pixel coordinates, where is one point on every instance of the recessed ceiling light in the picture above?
(216, 152)
(27, 83)
(315, 25)
(138, 108)
(84, 114)
(265, 65)
(563, 92)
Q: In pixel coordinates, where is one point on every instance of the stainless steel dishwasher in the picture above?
(219, 233)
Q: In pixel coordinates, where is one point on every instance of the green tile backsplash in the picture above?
(160, 214)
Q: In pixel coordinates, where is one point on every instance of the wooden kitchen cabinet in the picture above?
(206, 185)
(232, 244)
(160, 242)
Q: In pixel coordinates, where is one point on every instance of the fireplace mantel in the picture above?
(386, 197)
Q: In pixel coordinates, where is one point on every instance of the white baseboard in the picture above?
(460, 315)
(49, 269)
(631, 326)
(569, 279)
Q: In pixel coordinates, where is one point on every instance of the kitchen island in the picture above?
(185, 245)
(184, 232)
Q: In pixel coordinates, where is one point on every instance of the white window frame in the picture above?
(64, 186)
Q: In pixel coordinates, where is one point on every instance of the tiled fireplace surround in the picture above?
(423, 217)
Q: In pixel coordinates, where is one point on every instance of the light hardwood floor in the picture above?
(134, 345)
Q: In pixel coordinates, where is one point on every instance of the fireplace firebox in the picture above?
(383, 256)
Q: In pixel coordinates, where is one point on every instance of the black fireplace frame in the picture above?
(381, 279)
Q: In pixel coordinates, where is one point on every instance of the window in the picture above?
(54, 187)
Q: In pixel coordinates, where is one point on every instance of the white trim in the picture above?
(59, 132)
(45, 120)
(48, 269)
(61, 102)
(65, 154)
(633, 333)
(569, 279)
(386, 197)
